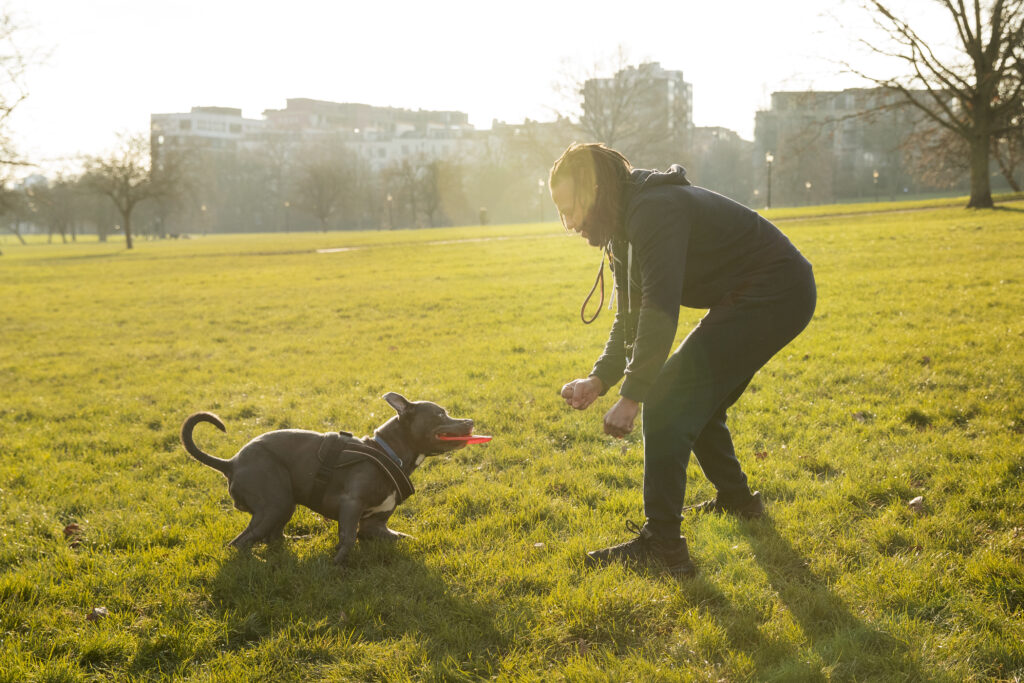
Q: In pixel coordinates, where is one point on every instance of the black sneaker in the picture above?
(645, 551)
(752, 509)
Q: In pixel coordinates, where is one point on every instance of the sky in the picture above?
(101, 67)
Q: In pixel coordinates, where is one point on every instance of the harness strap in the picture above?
(329, 448)
(336, 453)
(399, 479)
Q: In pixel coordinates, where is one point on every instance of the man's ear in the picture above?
(397, 401)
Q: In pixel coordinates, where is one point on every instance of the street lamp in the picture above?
(874, 176)
(391, 215)
(202, 210)
(807, 186)
(287, 216)
(540, 197)
(768, 159)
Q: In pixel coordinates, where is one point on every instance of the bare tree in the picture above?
(971, 94)
(324, 179)
(125, 176)
(55, 204)
(624, 106)
(400, 181)
(1008, 150)
(13, 65)
(12, 206)
(936, 156)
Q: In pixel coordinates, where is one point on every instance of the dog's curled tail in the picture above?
(224, 466)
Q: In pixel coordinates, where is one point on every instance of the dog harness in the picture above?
(337, 451)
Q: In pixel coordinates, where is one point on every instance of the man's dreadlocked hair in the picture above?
(599, 176)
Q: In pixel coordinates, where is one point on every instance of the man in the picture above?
(673, 244)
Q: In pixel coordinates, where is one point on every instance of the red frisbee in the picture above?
(469, 438)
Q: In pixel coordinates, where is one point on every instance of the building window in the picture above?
(185, 125)
(235, 128)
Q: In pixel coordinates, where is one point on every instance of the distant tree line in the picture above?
(971, 120)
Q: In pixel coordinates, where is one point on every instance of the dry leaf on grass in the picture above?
(73, 535)
(97, 613)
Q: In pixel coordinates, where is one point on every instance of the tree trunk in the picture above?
(16, 229)
(980, 142)
(127, 219)
(981, 187)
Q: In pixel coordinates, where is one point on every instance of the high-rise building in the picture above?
(644, 111)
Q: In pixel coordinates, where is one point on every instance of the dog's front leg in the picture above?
(348, 524)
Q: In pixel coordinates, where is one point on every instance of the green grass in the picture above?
(908, 383)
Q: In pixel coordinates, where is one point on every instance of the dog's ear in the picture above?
(397, 401)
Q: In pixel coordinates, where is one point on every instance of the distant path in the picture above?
(915, 209)
(434, 243)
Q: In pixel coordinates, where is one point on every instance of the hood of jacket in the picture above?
(643, 179)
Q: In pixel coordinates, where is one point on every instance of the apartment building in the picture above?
(644, 111)
(836, 145)
(207, 128)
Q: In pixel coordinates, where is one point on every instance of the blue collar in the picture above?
(387, 449)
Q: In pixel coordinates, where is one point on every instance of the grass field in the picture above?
(909, 382)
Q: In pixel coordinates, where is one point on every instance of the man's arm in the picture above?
(660, 243)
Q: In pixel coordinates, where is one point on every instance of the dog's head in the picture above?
(424, 423)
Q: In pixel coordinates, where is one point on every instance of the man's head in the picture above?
(586, 186)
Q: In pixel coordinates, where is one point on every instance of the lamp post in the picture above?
(768, 159)
(807, 186)
(874, 176)
(540, 197)
(391, 215)
(202, 213)
(287, 216)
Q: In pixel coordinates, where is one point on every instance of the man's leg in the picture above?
(685, 409)
(717, 455)
(680, 415)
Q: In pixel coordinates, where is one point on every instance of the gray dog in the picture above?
(357, 482)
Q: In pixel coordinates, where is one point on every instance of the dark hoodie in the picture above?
(690, 247)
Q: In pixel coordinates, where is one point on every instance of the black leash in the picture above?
(598, 281)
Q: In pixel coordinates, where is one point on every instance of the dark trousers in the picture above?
(685, 409)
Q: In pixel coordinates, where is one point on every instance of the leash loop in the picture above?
(599, 280)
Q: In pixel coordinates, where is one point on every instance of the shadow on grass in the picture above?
(851, 648)
(384, 595)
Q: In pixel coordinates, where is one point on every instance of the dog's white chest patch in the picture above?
(419, 459)
(387, 505)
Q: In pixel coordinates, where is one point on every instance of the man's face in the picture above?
(570, 209)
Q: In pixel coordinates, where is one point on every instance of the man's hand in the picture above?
(619, 420)
(580, 393)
